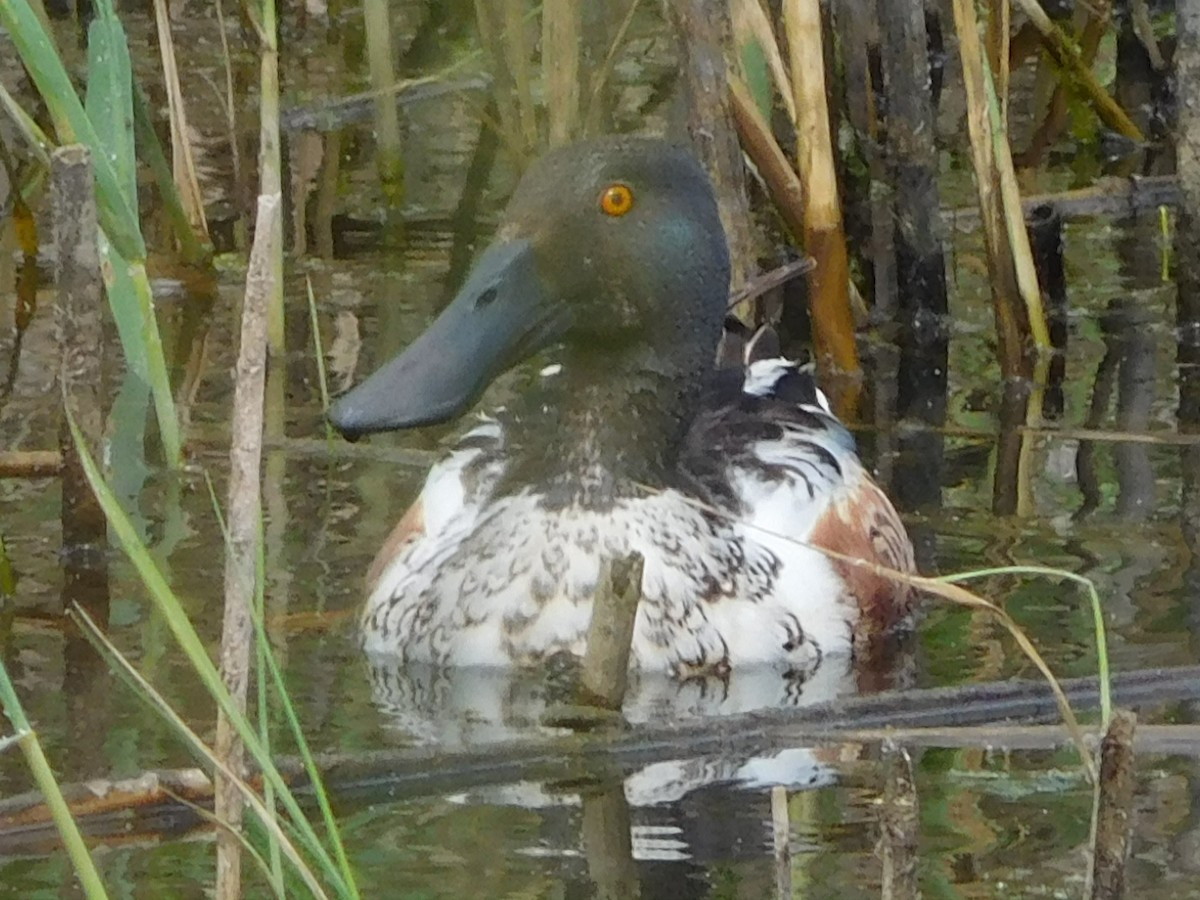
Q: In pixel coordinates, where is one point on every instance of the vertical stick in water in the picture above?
(1112, 816)
(605, 668)
(899, 826)
(77, 318)
(243, 513)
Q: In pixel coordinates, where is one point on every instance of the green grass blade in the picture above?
(189, 641)
(156, 367)
(81, 859)
(109, 100)
(319, 353)
(262, 650)
(147, 692)
(34, 137)
(38, 52)
(108, 133)
(267, 659)
(1104, 675)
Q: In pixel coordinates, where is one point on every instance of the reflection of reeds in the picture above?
(389, 156)
(106, 127)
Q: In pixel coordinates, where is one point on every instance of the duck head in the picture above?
(612, 248)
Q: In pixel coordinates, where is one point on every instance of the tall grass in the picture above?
(26, 739)
(106, 127)
(315, 861)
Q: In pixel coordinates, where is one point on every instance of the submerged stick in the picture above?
(1112, 816)
(605, 670)
(781, 834)
(899, 826)
(943, 717)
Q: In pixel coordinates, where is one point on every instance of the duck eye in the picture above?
(616, 199)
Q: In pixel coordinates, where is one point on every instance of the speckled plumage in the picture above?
(631, 443)
(500, 579)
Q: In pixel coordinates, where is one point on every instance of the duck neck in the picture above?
(602, 426)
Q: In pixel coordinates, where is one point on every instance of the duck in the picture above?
(610, 260)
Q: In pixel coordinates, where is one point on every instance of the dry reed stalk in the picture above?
(1096, 20)
(491, 29)
(1064, 52)
(270, 173)
(562, 24)
(1006, 292)
(244, 520)
(262, 330)
(999, 27)
(240, 177)
(182, 162)
(768, 157)
(596, 108)
(825, 240)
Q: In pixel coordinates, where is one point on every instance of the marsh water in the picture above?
(1103, 490)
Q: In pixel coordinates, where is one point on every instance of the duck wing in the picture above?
(767, 452)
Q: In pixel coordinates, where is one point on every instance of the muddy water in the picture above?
(992, 822)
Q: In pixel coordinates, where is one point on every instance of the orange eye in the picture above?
(616, 200)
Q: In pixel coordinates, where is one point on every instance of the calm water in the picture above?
(992, 823)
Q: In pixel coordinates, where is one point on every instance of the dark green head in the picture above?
(611, 247)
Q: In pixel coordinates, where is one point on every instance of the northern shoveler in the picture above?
(612, 251)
